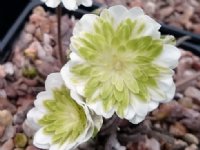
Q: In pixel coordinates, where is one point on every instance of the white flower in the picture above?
(69, 4)
(61, 122)
(120, 63)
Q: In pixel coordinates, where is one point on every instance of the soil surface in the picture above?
(173, 126)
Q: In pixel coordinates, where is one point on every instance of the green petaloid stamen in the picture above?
(119, 62)
(65, 119)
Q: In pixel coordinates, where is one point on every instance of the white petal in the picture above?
(80, 88)
(85, 24)
(54, 80)
(52, 3)
(170, 93)
(152, 105)
(41, 140)
(77, 97)
(97, 107)
(169, 56)
(137, 119)
(140, 107)
(118, 12)
(98, 120)
(70, 4)
(86, 3)
(32, 119)
(41, 97)
(165, 91)
(129, 113)
(165, 82)
(157, 94)
(65, 146)
(135, 12)
(76, 58)
(151, 27)
(66, 75)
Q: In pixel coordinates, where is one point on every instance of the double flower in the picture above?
(119, 64)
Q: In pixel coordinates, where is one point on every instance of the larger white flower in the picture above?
(61, 122)
(69, 4)
(120, 63)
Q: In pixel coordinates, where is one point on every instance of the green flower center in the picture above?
(119, 62)
(65, 119)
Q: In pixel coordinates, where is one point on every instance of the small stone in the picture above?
(38, 34)
(11, 91)
(190, 138)
(30, 53)
(194, 93)
(3, 93)
(186, 102)
(9, 68)
(27, 38)
(20, 140)
(8, 145)
(29, 72)
(192, 147)
(5, 118)
(31, 148)
(179, 144)
(19, 118)
(8, 133)
(30, 28)
(39, 11)
(2, 71)
(177, 129)
(152, 144)
(163, 112)
(2, 129)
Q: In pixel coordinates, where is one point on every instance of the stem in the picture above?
(60, 52)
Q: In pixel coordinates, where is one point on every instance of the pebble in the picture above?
(31, 147)
(11, 91)
(2, 71)
(5, 118)
(152, 144)
(26, 38)
(177, 129)
(30, 28)
(9, 68)
(180, 144)
(190, 138)
(192, 147)
(3, 93)
(19, 118)
(8, 145)
(186, 102)
(193, 93)
(20, 140)
(2, 129)
(8, 133)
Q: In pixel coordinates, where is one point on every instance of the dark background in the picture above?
(9, 11)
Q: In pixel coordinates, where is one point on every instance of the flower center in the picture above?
(118, 66)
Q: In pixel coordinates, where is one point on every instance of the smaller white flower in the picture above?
(62, 122)
(69, 4)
